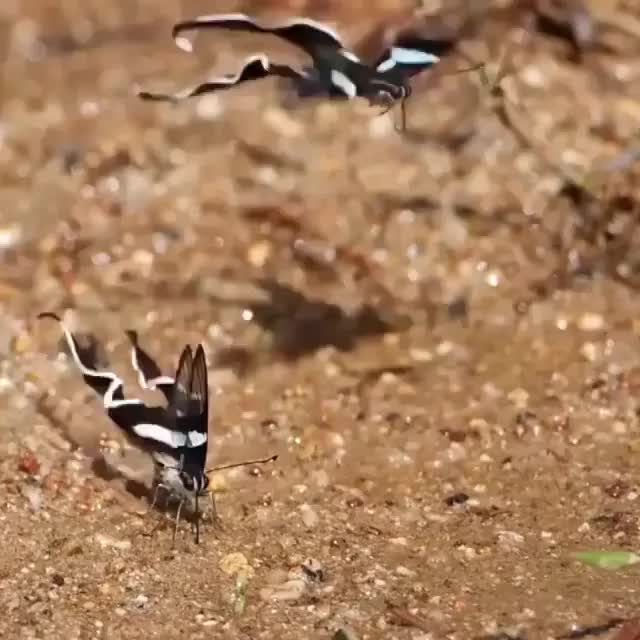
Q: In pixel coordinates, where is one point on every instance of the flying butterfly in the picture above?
(176, 435)
(336, 71)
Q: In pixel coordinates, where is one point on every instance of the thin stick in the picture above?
(243, 464)
(476, 67)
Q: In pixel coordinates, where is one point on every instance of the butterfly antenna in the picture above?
(474, 67)
(175, 528)
(243, 464)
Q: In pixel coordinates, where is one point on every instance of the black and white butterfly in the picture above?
(175, 435)
(336, 71)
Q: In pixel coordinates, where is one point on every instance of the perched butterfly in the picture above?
(176, 436)
(336, 71)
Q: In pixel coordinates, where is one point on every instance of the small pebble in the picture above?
(456, 498)
(107, 541)
(259, 253)
(401, 542)
(286, 592)
(444, 348)
(510, 539)
(590, 351)
(421, 355)
(309, 516)
(33, 495)
(519, 397)
(57, 579)
(141, 601)
(320, 478)
(590, 322)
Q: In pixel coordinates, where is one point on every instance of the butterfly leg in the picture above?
(216, 521)
(175, 528)
(156, 493)
(197, 522)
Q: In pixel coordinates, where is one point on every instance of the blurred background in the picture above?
(404, 316)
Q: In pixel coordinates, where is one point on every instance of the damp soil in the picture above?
(435, 330)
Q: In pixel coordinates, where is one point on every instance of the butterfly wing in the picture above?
(189, 409)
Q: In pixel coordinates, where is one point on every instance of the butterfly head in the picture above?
(385, 94)
(194, 482)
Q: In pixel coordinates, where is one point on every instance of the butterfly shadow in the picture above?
(300, 325)
(98, 464)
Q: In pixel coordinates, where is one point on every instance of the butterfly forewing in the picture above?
(179, 406)
(412, 55)
(190, 408)
(200, 387)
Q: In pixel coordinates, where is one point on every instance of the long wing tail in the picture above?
(254, 68)
(149, 373)
(304, 33)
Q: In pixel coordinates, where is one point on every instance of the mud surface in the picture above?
(437, 332)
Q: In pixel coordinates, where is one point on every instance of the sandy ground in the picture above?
(436, 331)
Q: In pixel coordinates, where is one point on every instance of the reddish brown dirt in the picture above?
(410, 321)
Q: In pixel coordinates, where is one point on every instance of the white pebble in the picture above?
(510, 539)
(141, 600)
(590, 322)
(287, 592)
(33, 495)
(309, 516)
(107, 541)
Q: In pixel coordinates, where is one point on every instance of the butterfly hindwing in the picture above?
(139, 422)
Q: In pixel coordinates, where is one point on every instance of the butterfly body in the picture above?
(182, 484)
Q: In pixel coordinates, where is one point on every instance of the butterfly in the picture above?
(176, 435)
(336, 71)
